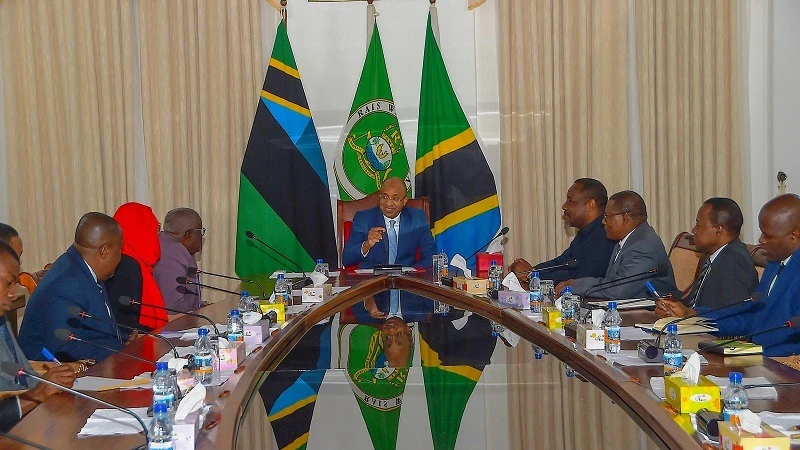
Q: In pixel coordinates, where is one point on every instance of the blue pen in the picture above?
(652, 289)
(50, 357)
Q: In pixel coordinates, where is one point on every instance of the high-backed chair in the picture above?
(346, 210)
(759, 258)
(686, 260)
(30, 280)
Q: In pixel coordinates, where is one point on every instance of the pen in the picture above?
(50, 356)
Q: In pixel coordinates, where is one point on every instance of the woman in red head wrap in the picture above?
(134, 276)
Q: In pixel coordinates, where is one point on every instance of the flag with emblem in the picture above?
(451, 169)
(371, 149)
(283, 192)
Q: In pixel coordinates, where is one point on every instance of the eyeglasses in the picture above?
(389, 337)
(606, 216)
(202, 231)
(386, 198)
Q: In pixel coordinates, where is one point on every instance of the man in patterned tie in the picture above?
(391, 234)
(14, 407)
(727, 275)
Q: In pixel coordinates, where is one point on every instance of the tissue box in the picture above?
(230, 357)
(688, 398)
(256, 333)
(184, 432)
(589, 337)
(484, 262)
(470, 285)
(732, 438)
(551, 317)
(514, 299)
(313, 294)
(279, 309)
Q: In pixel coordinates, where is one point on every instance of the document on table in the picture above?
(631, 357)
(90, 383)
(190, 334)
(106, 422)
(761, 393)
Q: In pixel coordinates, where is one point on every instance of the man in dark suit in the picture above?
(591, 248)
(779, 221)
(728, 274)
(639, 249)
(76, 279)
(391, 234)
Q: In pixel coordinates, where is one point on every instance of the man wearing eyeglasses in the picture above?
(181, 239)
(391, 234)
(639, 250)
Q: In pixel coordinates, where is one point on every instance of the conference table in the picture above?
(330, 378)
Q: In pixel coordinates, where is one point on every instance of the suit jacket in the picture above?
(7, 354)
(10, 413)
(68, 283)
(415, 233)
(642, 251)
(591, 248)
(780, 305)
(731, 278)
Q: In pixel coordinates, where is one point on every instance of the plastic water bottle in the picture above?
(734, 399)
(160, 429)
(673, 350)
(322, 267)
(163, 388)
(203, 358)
(611, 323)
(568, 306)
(569, 371)
(538, 352)
(495, 279)
(282, 292)
(244, 302)
(535, 289)
(235, 327)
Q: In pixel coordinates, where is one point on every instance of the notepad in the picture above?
(691, 325)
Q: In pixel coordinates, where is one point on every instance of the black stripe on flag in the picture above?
(285, 86)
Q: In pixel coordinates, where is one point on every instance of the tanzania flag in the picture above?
(283, 188)
(371, 148)
(453, 360)
(451, 169)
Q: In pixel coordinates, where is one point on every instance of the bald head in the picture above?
(185, 225)
(779, 221)
(393, 183)
(98, 239)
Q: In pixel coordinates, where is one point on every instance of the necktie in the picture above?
(614, 254)
(394, 295)
(9, 341)
(108, 309)
(695, 292)
(775, 279)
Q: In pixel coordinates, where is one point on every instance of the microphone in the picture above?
(14, 370)
(650, 349)
(125, 300)
(621, 281)
(187, 281)
(571, 264)
(23, 441)
(703, 346)
(76, 312)
(62, 334)
(499, 233)
(300, 283)
(193, 271)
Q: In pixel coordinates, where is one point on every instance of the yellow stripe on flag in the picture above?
(283, 102)
(430, 358)
(465, 213)
(284, 68)
(450, 145)
(297, 443)
(292, 408)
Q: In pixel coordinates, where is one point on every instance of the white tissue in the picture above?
(512, 283)
(461, 263)
(178, 363)
(749, 421)
(496, 246)
(597, 321)
(318, 278)
(558, 302)
(222, 342)
(690, 371)
(251, 317)
(191, 402)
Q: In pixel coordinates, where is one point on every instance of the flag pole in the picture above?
(435, 22)
(371, 15)
(284, 14)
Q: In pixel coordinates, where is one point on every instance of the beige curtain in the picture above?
(563, 112)
(201, 71)
(69, 116)
(688, 82)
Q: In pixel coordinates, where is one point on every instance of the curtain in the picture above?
(69, 116)
(689, 105)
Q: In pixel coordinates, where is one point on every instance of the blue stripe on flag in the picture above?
(464, 237)
(302, 132)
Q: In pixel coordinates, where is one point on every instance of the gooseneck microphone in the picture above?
(499, 233)
(704, 346)
(23, 441)
(187, 281)
(193, 271)
(14, 370)
(571, 264)
(300, 283)
(125, 300)
(62, 334)
(76, 312)
(622, 281)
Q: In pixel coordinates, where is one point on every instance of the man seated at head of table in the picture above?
(727, 275)
(779, 221)
(591, 248)
(180, 240)
(639, 250)
(13, 407)
(76, 279)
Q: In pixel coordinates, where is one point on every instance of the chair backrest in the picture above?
(759, 258)
(686, 260)
(28, 281)
(345, 211)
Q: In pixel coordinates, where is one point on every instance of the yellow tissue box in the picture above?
(279, 308)
(551, 317)
(683, 420)
(690, 398)
(732, 438)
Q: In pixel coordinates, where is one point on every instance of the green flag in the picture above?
(371, 149)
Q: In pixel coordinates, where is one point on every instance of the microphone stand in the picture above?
(83, 314)
(23, 441)
(304, 282)
(129, 301)
(72, 337)
(263, 295)
(500, 233)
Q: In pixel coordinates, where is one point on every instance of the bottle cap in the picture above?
(672, 328)
(245, 293)
(162, 366)
(612, 305)
(235, 312)
(536, 274)
(280, 275)
(735, 377)
(567, 290)
(494, 263)
(160, 407)
(202, 331)
(319, 261)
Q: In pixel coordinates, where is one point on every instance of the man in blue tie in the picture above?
(391, 234)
